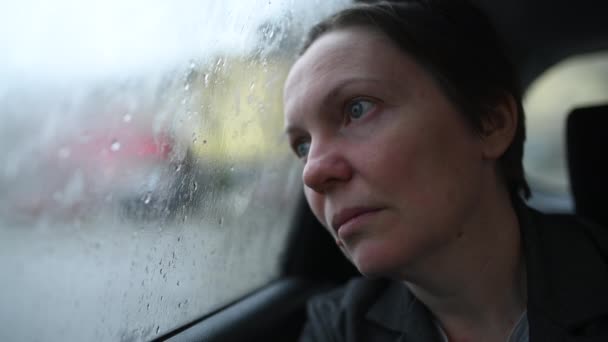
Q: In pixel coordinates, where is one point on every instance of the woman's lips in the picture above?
(347, 217)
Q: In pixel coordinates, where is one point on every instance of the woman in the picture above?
(408, 119)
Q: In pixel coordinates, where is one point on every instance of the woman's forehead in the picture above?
(357, 53)
(348, 49)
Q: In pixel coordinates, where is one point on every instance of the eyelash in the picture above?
(347, 120)
(297, 142)
(349, 106)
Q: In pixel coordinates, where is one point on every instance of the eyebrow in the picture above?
(335, 92)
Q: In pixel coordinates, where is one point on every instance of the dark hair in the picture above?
(459, 47)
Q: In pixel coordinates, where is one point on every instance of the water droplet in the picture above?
(206, 80)
(147, 198)
(127, 118)
(178, 167)
(115, 145)
(179, 305)
(148, 306)
(179, 238)
(192, 65)
(187, 87)
(232, 169)
(157, 329)
(178, 283)
(204, 141)
(252, 86)
(221, 221)
(195, 185)
(161, 271)
(161, 298)
(194, 137)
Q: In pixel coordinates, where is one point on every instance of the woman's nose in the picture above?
(325, 168)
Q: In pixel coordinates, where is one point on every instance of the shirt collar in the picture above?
(398, 310)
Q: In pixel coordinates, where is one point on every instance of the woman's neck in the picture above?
(476, 286)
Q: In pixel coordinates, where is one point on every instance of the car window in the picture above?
(144, 177)
(576, 82)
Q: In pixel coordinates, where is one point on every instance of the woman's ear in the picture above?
(498, 128)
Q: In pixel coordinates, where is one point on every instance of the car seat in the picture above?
(587, 139)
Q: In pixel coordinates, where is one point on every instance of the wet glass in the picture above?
(144, 177)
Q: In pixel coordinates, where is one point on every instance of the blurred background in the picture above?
(144, 177)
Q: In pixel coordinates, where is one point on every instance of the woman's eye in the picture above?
(357, 109)
(302, 149)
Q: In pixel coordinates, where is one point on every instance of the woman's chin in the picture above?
(375, 261)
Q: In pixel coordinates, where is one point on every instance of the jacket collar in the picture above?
(398, 310)
(567, 276)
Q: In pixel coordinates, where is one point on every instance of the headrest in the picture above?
(587, 142)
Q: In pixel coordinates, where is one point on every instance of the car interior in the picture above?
(539, 36)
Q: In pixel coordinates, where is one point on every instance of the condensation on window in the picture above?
(576, 82)
(144, 176)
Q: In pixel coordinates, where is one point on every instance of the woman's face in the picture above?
(391, 168)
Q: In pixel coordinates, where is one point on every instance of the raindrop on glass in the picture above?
(115, 146)
(157, 329)
(206, 80)
(147, 198)
(127, 118)
(187, 87)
